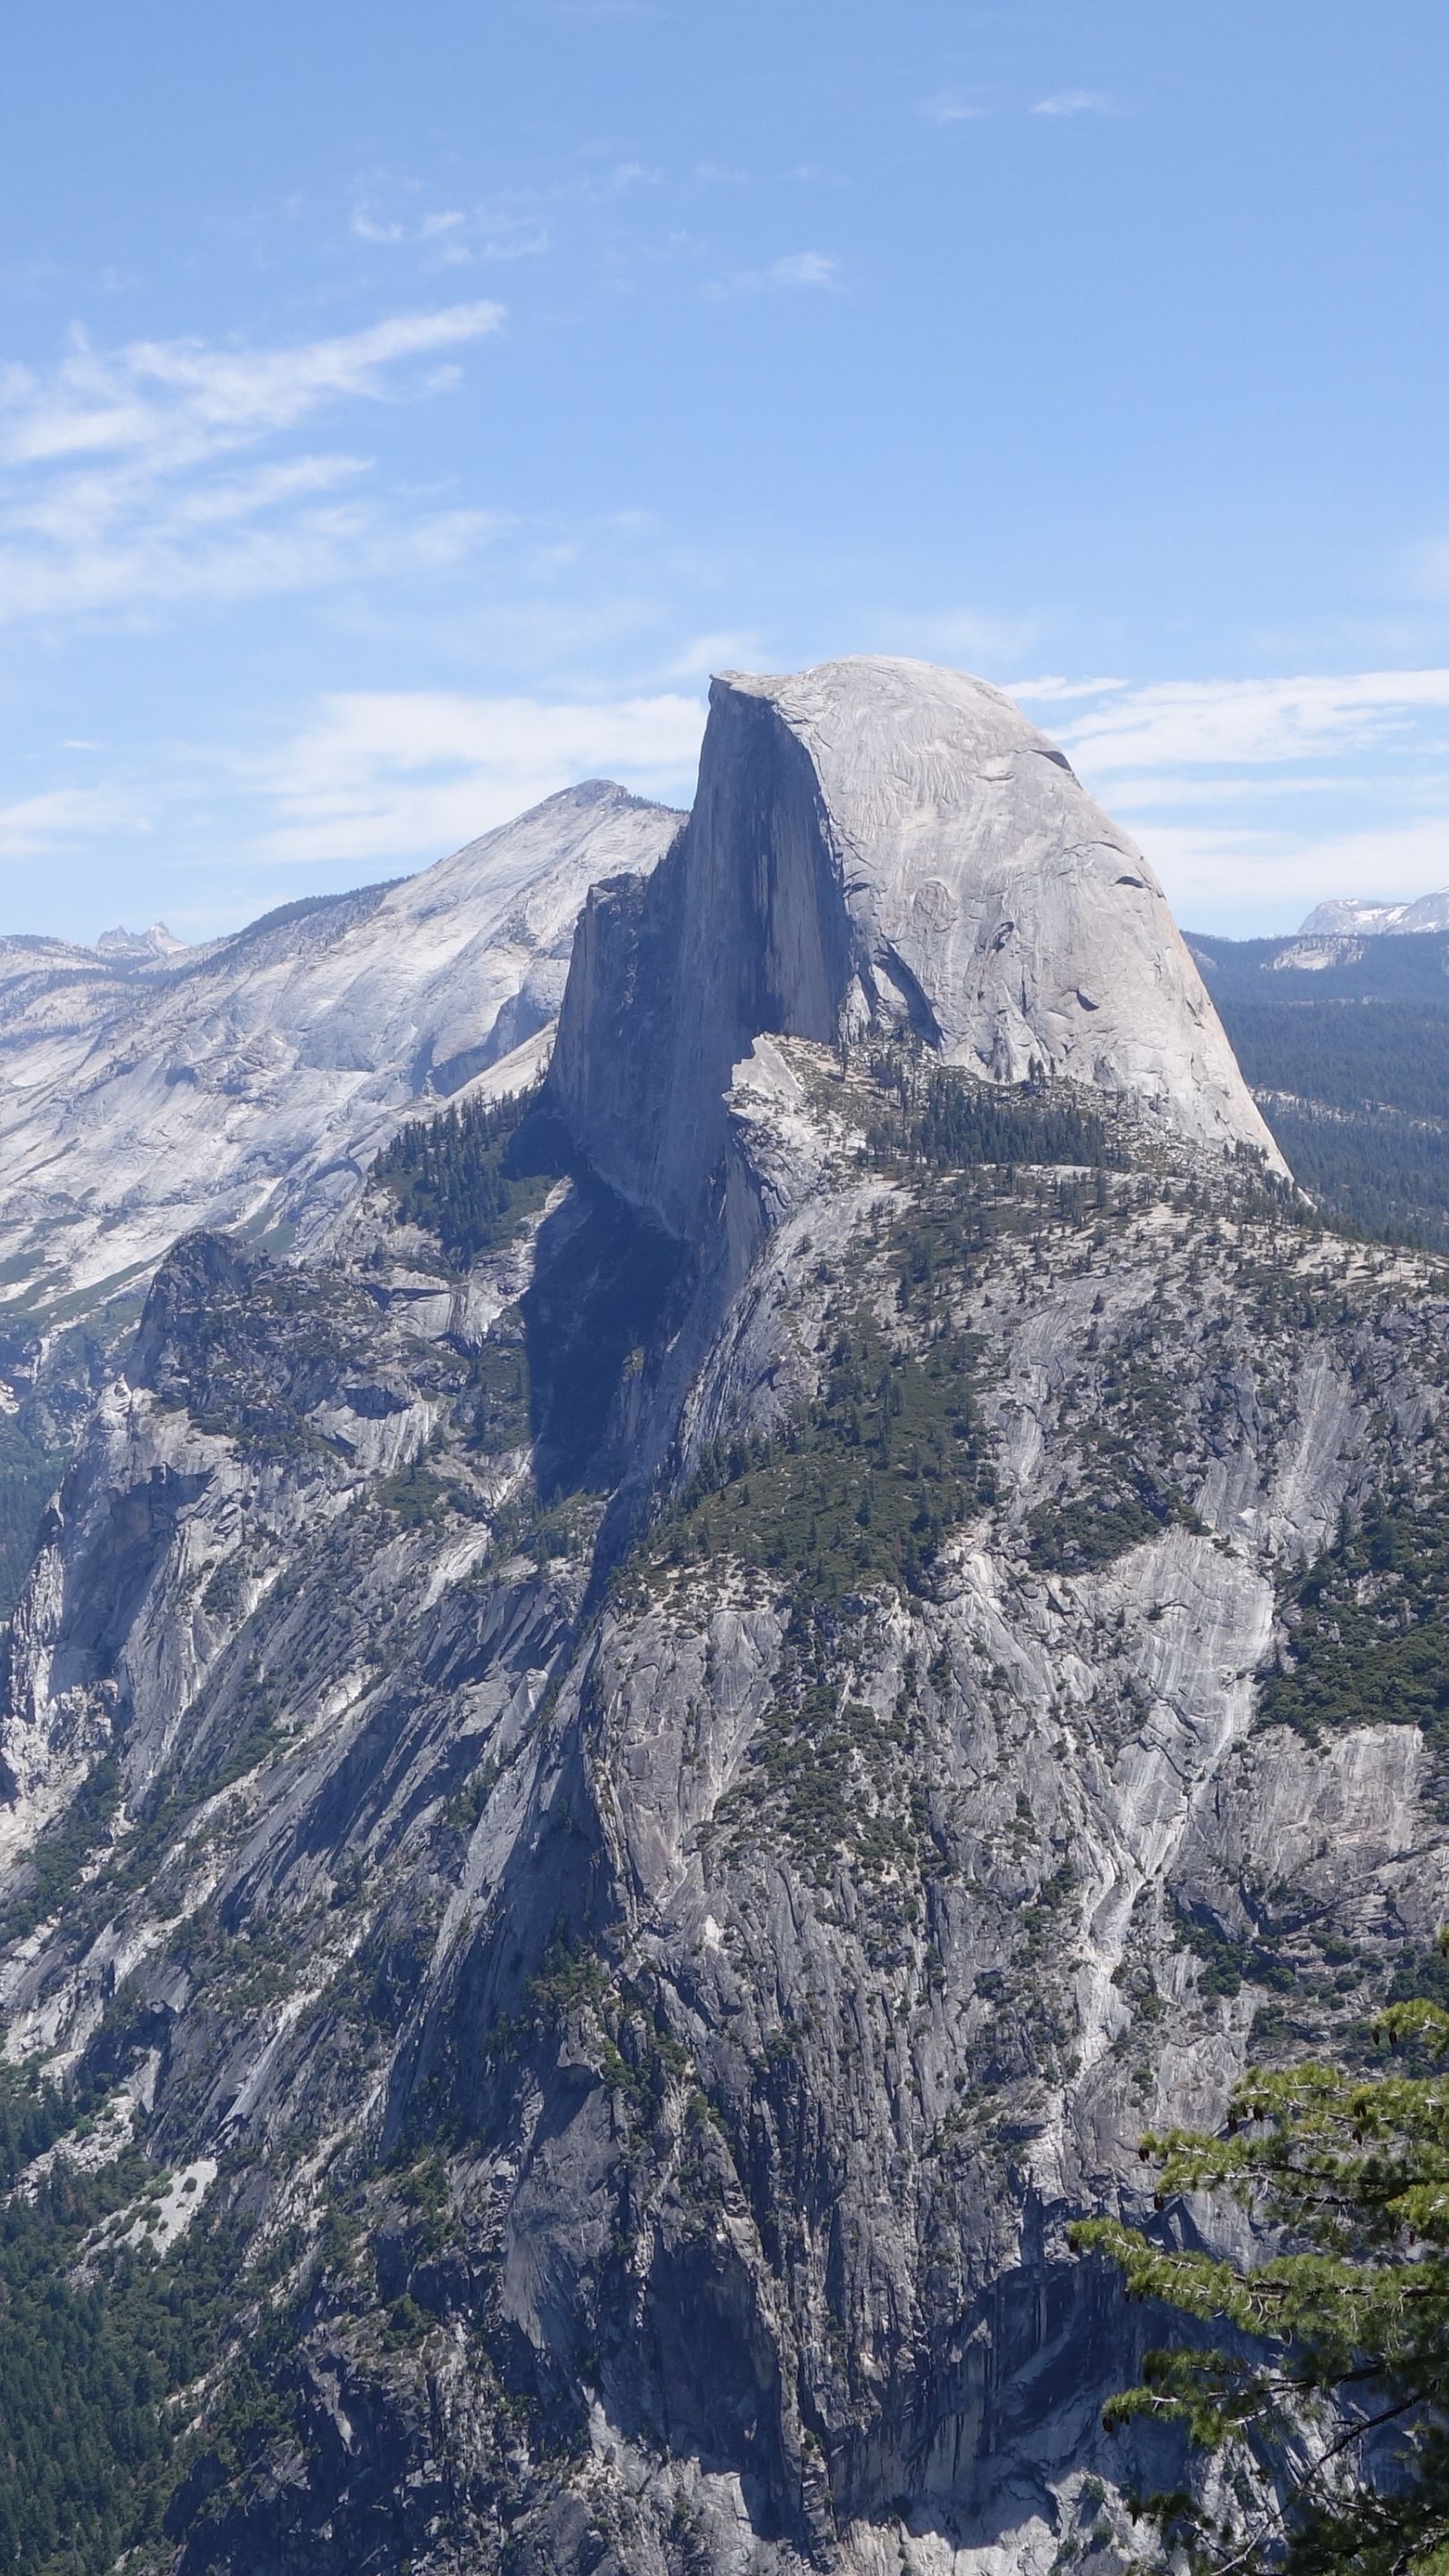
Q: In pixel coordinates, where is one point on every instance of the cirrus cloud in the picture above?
(1257, 798)
(799, 268)
(399, 775)
(1202, 722)
(122, 483)
(1075, 102)
(62, 816)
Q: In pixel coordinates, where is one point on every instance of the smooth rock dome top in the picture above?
(1032, 927)
(882, 843)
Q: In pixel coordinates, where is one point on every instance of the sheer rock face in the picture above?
(880, 844)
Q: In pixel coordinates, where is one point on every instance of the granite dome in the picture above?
(882, 844)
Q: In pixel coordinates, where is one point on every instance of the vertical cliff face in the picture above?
(880, 845)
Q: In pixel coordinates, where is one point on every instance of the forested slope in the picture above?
(1345, 1042)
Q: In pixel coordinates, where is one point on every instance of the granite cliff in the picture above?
(610, 1829)
(880, 846)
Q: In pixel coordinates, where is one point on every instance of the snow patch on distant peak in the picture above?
(1355, 914)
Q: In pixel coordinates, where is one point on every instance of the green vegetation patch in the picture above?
(1353, 1058)
(1228, 1965)
(94, 2347)
(1380, 1171)
(59, 1854)
(828, 1775)
(500, 1391)
(1369, 1627)
(1129, 1492)
(862, 1489)
(29, 1474)
(1344, 1051)
(1079, 1537)
(949, 1121)
(448, 1175)
(33, 2114)
(415, 1497)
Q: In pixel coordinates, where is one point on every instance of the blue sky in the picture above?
(402, 410)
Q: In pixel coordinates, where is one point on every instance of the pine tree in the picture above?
(1327, 2406)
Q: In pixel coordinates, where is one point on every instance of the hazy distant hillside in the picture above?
(1345, 1042)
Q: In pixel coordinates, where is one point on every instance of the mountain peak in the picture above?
(880, 844)
(137, 945)
(319, 1028)
(1367, 917)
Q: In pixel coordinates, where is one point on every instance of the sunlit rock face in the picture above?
(882, 845)
(249, 1082)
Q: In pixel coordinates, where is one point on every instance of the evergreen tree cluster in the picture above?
(860, 1489)
(1379, 1171)
(947, 1121)
(449, 1174)
(1368, 1631)
(1346, 1055)
(863, 1488)
(1351, 1059)
(29, 1473)
(96, 2346)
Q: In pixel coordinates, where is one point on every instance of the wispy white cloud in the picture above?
(405, 775)
(1166, 791)
(175, 402)
(1076, 102)
(162, 565)
(391, 218)
(803, 268)
(63, 816)
(1224, 783)
(800, 268)
(1053, 686)
(1243, 877)
(954, 107)
(972, 636)
(402, 217)
(122, 483)
(1178, 723)
(735, 648)
(392, 233)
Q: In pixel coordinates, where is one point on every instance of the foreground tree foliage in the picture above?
(1326, 2408)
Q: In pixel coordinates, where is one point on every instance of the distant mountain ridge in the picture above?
(146, 1088)
(141, 945)
(1373, 919)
